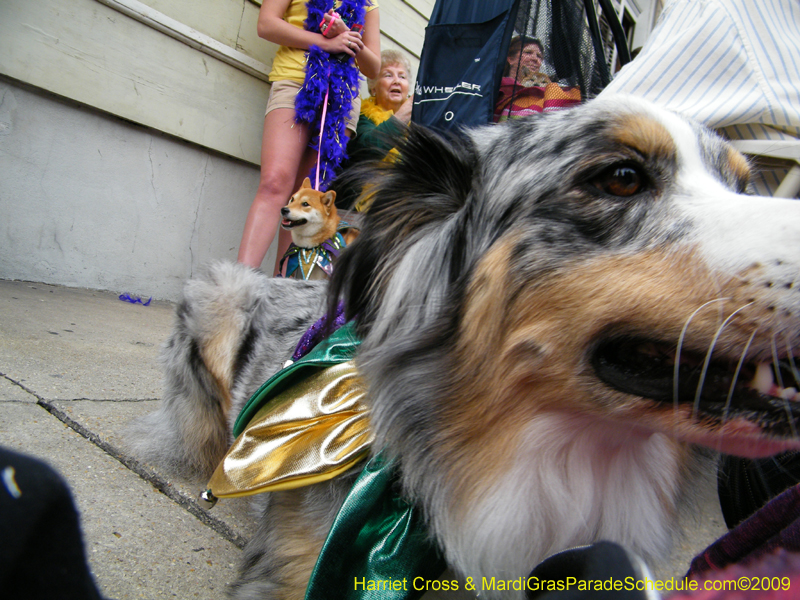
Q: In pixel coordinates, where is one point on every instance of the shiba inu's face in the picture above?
(310, 216)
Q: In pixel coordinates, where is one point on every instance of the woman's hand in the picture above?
(404, 112)
(335, 25)
(348, 42)
(273, 28)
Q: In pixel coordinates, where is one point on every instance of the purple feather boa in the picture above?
(340, 79)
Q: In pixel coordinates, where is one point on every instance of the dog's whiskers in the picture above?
(774, 348)
(795, 374)
(707, 361)
(676, 368)
(733, 383)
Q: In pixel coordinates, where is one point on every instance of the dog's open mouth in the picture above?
(759, 392)
(288, 224)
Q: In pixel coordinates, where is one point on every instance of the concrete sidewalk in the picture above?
(75, 367)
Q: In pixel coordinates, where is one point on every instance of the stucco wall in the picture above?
(130, 135)
(89, 200)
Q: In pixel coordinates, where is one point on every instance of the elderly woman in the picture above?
(384, 117)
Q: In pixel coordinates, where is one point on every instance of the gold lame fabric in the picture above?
(311, 432)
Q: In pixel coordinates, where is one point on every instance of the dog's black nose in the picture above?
(285, 211)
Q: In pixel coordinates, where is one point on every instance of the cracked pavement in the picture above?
(76, 366)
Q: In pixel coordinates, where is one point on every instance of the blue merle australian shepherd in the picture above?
(561, 318)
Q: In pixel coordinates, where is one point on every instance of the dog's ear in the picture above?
(328, 199)
(413, 196)
(306, 184)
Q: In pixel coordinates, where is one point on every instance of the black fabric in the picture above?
(461, 63)
(569, 48)
(600, 562)
(41, 549)
(466, 45)
(745, 485)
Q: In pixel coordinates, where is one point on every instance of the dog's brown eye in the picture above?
(621, 181)
(306, 204)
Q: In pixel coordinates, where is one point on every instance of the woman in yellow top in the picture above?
(285, 154)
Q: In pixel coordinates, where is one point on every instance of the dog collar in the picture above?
(308, 259)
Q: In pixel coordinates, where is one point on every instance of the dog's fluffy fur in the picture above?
(523, 294)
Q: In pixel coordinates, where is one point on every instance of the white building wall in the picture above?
(88, 200)
(130, 135)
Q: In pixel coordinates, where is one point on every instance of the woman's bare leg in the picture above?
(284, 150)
(285, 237)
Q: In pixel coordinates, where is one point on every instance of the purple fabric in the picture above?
(318, 332)
(775, 526)
(772, 577)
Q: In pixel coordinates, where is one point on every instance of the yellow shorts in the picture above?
(283, 93)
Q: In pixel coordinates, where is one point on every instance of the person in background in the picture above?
(286, 158)
(524, 61)
(730, 64)
(524, 89)
(384, 117)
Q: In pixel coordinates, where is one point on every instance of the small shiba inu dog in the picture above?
(317, 237)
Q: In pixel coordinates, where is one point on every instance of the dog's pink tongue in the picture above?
(764, 382)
